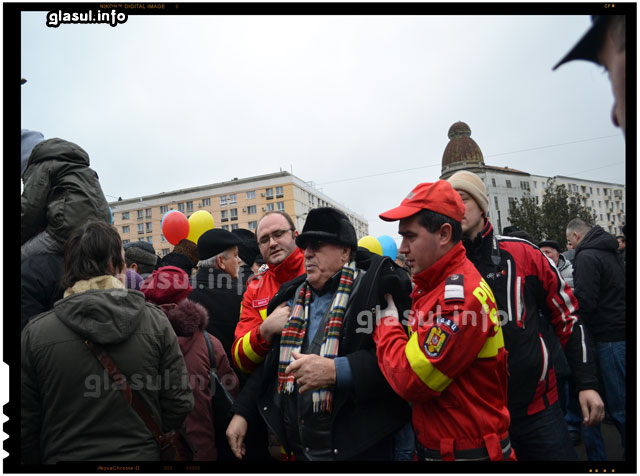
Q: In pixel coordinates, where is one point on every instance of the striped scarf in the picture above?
(296, 328)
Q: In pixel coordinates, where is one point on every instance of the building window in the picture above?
(125, 229)
(163, 239)
(140, 228)
(508, 183)
(189, 206)
(535, 184)
(599, 203)
(496, 202)
(164, 251)
(279, 192)
(251, 194)
(149, 227)
(524, 185)
(234, 214)
(493, 182)
(269, 192)
(253, 225)
(126, 242)
(164, 209)
(225, 227)
(181, 207)
(234, 226)
(140, 215)
(149, 240)
(537, 201)
(544, 185)
(280, 206)
(206, 202)
(269, 207)
(598, 190)
(251, 210)
(511, 201)
(147, 212)
(601, 217)
(232, 198)
(125, 215)
(311, 197)
(223, 200)
(224, 215)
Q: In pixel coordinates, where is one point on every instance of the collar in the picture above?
(441, 269)
(291, 267)
(481, 244)
(99, 282)
(330, 286)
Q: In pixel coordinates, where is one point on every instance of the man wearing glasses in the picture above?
(320, 389)
(276, 236)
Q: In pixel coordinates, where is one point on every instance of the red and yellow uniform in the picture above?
(453, 366)
(250, 348)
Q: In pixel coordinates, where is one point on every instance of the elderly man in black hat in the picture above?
(217, 287)
(141, 257)
(333, 401)
(551, 248)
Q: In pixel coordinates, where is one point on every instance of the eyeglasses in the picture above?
(276, 235)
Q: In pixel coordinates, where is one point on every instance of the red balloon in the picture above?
(175, 226)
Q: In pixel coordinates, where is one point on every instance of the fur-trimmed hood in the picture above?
(186, 317)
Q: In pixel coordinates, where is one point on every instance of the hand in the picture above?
(312, 371)
(236, 431)
(275, 322)
(389, 315)
(592, 407)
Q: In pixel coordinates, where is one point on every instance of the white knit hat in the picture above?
(472, 184)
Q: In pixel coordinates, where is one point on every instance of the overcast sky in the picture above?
(167, 102)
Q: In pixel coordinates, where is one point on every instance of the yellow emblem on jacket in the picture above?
(435, 341)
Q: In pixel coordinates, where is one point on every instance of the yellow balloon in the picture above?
(371, 243)
(199, 222)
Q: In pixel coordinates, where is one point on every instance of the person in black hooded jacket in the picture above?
(599, 286)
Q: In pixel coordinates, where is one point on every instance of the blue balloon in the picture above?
(111, 215)
(389, 247)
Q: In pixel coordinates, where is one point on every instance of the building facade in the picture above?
(238, 203)
(505, 185)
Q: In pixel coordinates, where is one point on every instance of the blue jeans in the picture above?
(611, 360)
(404, 443)
(542, 436)
(592, 436)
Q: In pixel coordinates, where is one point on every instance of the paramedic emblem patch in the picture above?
(435, 342)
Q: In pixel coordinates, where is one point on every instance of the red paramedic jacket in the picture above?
(453, 367)
(249, 348)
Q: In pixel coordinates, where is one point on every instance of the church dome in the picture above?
(461, 151)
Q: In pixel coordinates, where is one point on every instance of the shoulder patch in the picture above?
(443, 321)
(454, 288)
(435, 342)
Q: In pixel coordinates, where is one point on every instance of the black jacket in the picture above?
(599, 285)
(534, 302)
(40, 285)
(361, 417)
(61, 192)
(221, 297)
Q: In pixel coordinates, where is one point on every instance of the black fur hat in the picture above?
(329, 225)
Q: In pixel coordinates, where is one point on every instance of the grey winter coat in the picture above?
(60, 192)
(70, 408)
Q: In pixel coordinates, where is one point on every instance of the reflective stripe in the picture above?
(509, 290)
(430, 376)
(248, 351)
(263, 313)
(492, 345)
(545, 360)
(236, 357)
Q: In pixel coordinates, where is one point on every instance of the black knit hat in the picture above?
(215, 241)
(329, 225)
(551, 243)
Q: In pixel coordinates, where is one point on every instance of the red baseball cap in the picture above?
(439, 197)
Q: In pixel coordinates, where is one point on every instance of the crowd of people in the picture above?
(470, 346)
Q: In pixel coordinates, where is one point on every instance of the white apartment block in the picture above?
(238, 203)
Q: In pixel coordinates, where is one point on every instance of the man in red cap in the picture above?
(453, 367)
